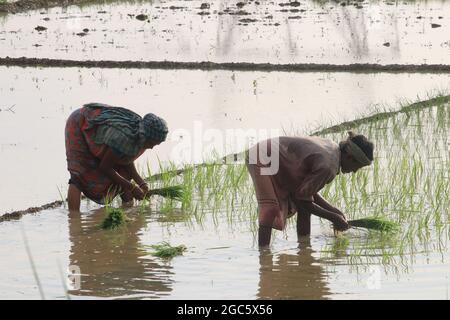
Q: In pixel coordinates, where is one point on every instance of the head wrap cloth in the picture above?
(125, 130)
(356, 151)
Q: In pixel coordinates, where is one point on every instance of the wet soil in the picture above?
(269, 32)
(15, 215)
(233, 66)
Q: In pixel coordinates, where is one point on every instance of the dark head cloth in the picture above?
(125, 130)
(155, 128)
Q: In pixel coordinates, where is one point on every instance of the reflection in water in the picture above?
(291, 43)
(111, 262)
(356, 32)
(292, 276)
(358, 25)
(224, 38)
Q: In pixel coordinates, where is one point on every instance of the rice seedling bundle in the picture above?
(166, 251)
(114, 219)
(175, 192)
(374, 224)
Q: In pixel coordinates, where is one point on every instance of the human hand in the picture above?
(339, 212)
(341, 223)
(137, 193)
(127, 196)
(144, 187)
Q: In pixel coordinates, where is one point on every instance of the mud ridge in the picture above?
(25, 5)
(231, 66)
(383, 115)
(16, 215)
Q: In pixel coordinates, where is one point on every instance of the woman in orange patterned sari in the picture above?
(102, 143)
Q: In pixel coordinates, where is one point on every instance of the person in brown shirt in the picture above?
(288, 173)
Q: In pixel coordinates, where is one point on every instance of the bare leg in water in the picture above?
(74, 195)
(73, 198)
(303, 223)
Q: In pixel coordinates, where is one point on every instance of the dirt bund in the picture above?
(25, 5)
(18, 214)
(231, 66)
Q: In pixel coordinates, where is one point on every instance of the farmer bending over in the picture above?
(305, 166)
(102, 143)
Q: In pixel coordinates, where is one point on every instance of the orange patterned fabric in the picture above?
(84, 156)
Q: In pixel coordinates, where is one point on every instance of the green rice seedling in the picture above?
(33, 266)
(187, 182)
(115, 218)
(166, 206)
(63, 281)
(144, 206)
(372, 223)
(173, 217)
(174, 192)
(166, 251)
(63, 200)
(149, 172)
(340, 244)
(408, 177)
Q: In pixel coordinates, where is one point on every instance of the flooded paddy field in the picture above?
(41, 99)
(249, 91)
(345, 32)
(216, 221)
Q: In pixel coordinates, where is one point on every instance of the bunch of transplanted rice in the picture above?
(175, 192)
(114, 219)
(166, 251)
(374, 224)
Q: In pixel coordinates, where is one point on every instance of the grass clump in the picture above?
(114, 219)
(166, 251)
(374, 224)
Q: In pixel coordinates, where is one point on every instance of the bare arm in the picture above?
(107, 164)
(134, 174)
(311, 207)
(320, 201)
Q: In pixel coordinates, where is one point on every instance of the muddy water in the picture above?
(384, 32)
(221, 262)
(36, 102)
